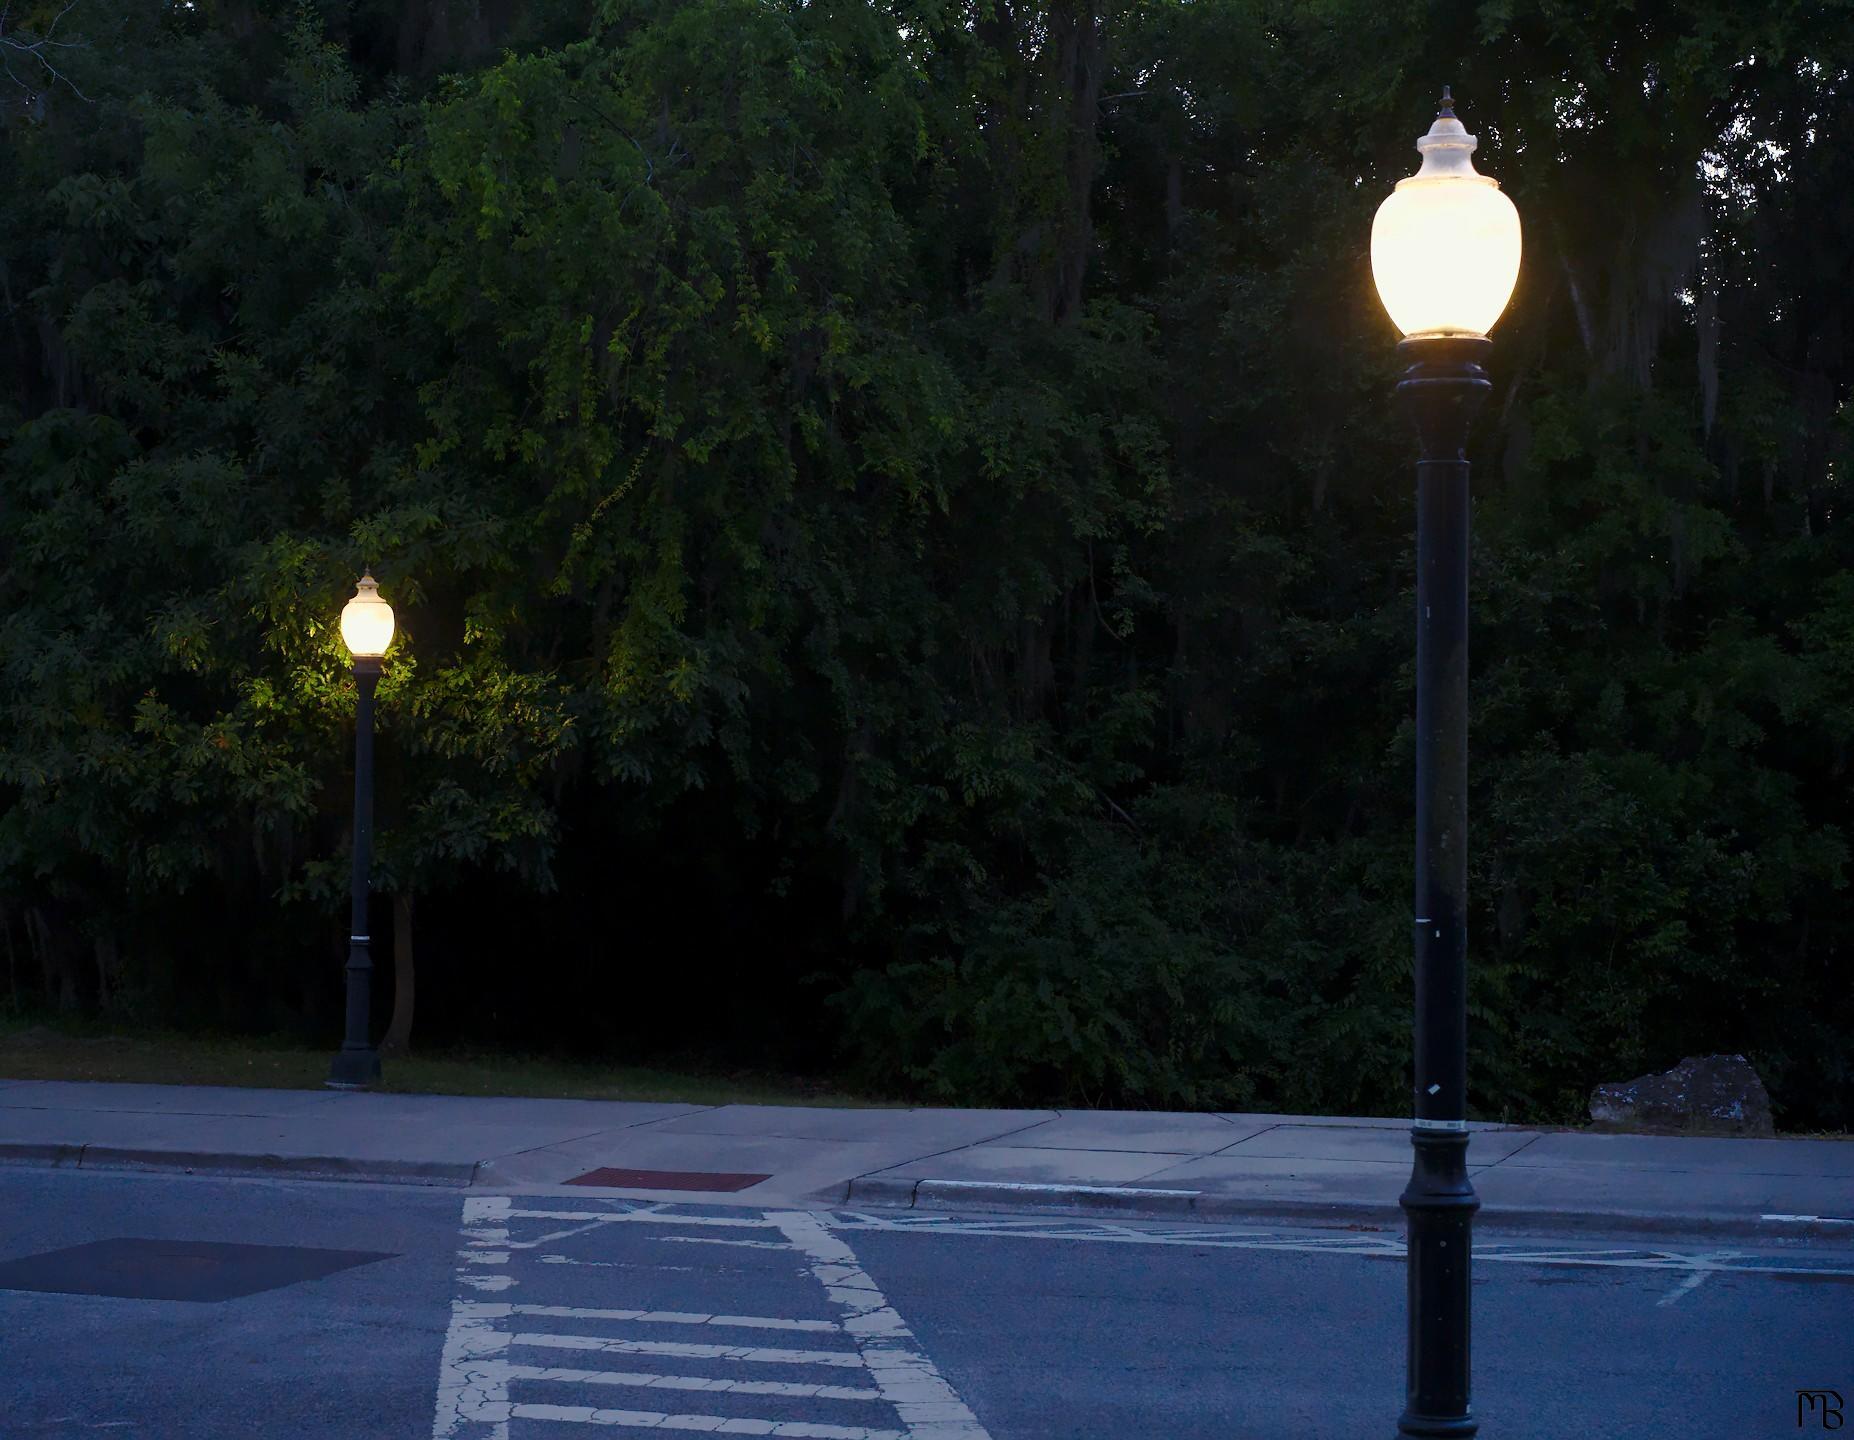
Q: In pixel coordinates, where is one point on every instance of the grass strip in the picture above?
(38, 1051)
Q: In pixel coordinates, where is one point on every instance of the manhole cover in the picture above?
(667, 1179)
(130, 1269)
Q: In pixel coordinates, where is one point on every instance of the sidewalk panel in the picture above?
(1600, 1188)
(1315, 1179)
(1349, 1122)
(802, 1171)
(584, 1116)
(1335, 1142)
(85, 1095)
(1151, 1133)
(1039, 1167)
(1322, 1168)
(930, 1128)
(1695, 1154)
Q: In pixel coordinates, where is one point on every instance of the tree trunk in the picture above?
(107, 957)
(58, 974)
(398, 1037)
(12, 960)
(1079, 39)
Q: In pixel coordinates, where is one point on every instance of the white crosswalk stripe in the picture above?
(680, 1317)
(654, 1380)
(903, 1373)
(706, 1424)
(475, 1400)
(677, 1349)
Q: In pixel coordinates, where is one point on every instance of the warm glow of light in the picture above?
(1445, 244)
(367, 621)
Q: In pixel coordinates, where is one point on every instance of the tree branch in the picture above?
(34, 47)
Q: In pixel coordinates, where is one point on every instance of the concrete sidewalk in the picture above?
(1311, 1168)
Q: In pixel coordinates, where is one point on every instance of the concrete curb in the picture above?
(1131, 1201)
(452, 1173)
(893, 1192)
(875, 1190)
(22, 1152)
(1004, 1194)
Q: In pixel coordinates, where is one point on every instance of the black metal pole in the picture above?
(1443, 388)
(357, 1063)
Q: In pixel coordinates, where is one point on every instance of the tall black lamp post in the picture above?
(1445, 254)
(367, 629)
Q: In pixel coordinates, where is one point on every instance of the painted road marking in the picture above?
(1702, 1267)
(470, 1391)
(656, 1380)
(1381, 1246)
(477, 1369)
(707, 1424)
(613, 1217)
(904, 1374)
(678, 1317)
(681, 1351)
(476, 1373)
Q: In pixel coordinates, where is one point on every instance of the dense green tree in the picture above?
(903, 541)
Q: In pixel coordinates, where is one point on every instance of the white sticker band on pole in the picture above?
(1440, 1124)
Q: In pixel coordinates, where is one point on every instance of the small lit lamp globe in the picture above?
(367, 621)
(1445, 243)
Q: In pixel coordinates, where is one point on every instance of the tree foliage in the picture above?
(901, 537)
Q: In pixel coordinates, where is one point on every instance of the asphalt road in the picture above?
(374, 1312)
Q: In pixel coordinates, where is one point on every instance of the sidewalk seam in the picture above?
(1176, 1161)
(1520, 1151)
(1244, 1141)
(665, 1119)
(1053, 1117)
(545, 1145)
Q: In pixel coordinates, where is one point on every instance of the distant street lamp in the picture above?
(367, 629)
(1445, 254)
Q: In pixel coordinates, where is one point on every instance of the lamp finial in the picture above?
(1446, 106)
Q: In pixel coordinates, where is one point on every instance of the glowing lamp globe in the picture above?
(1445, 244)
(367, 621)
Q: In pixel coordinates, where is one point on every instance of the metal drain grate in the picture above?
(667, 1179)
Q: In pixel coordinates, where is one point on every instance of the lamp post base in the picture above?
(1438, 1206)
(354, 1070)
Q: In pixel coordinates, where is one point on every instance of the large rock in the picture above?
(1703, 1094)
